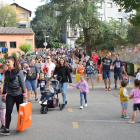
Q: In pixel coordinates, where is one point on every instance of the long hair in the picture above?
(58, 66)
(16, 64)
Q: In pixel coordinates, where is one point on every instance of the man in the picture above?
(95, 58)
(106, 62)
(118, 66)
(51, 67)
(21, 61)
(28, 59)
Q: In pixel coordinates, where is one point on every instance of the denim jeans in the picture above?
(45, 97)
(63, 89)
(85, 97)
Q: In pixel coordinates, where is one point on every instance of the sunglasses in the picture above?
(48, 58)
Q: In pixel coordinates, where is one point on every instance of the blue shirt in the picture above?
(118, 67)
(28, 61)
(23, 60)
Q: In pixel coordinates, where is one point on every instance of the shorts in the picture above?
(135, 106)
(31, 84)
(106, 73)
(89, 75)
(124, 105)
(74, 66)
(116, 75)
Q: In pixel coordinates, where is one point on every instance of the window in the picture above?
(120, 19)
(109, 18)
(22, 15)
(12, 44)
(119, 8)
(22, 26)
(99, 4)
(100, 18)
(109, 5)
(2, 44)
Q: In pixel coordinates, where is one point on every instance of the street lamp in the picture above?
(45, 43)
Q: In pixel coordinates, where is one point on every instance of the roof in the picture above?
(22, 7)
(13, 30)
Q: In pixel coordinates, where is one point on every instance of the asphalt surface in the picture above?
(99, 121)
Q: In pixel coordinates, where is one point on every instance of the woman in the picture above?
(37, 64)
(32, 76)
(62, 70)
(74, 65)
(42, 62)
(13, 83)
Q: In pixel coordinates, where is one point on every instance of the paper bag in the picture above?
(99, 78)
(24, 116)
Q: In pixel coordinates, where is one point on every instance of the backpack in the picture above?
(89, 70)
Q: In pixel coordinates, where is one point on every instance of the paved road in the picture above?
(99, 121)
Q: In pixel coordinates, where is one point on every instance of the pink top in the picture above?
(83, 86)
(136, 94)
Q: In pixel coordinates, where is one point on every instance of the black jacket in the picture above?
(64, 73)
(15, 79)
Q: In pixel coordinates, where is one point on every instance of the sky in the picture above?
(27, 4)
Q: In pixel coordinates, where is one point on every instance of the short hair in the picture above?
(137, 82)
(52, 71)
(41, 74)
(117, 54)
(124, 83)
(49, 82)
(24, 62)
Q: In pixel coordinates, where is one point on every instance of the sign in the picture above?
(45, 44)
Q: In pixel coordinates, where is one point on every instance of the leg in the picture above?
(28, 84)
(87, 80)
(125, 112)
(65, 85)
(134, 115)
(122, 111)
(105, 82)
(105, 78)
(91, 82)
(81, 99)
(109, 77)
(85, 97)
(18, 100)
(2, 116)
(109, 82)
(29, 94)
(35, 92)
(34, 87)
(9, 107)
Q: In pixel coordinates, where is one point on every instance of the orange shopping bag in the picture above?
(99, 78)
(24, 116)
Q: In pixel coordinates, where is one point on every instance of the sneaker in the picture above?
(115, 87)
(126, 117)
(36, 99)
(29, 101)
(109, 89)
(85, 105)
(66, 102)
(122, 116)
(40, 102)
(45, 103)
(132, 122)
(5, 132)
(81, 107)
(106, 89)
(2, 127)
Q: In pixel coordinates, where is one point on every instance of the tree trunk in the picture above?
(86, 38)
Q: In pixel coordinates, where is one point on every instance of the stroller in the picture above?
(52, 102)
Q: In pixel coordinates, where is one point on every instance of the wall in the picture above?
(16, 38)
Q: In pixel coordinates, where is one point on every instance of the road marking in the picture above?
(115, 96)
(75, 125)
(70, 110)
(109, 121)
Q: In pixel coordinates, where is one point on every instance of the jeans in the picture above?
(106, 73)
(31, 84)
(45, 97)
(63, 89)
(85, 97)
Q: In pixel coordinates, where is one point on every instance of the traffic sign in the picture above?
(45, 44)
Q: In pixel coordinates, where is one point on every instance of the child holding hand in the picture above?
(83, 87)
(135, 94)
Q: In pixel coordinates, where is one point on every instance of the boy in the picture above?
(42, 82)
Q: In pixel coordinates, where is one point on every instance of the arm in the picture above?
(101, 66)
(131, 96)
(137, 76)
(76, 85)
(86, 86)
(124, 93)
(51, 90)
(123, 69)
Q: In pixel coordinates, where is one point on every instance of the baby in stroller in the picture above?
(46, 94)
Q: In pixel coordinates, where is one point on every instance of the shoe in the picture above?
(126, 117)
(29, 101)
(40, 102)
(115, 87)
(2, 127)
(106, 89)
(132, 122)
(85, 105)
(139, 121)
(109, 89)
(5, 132)
(66, 102)
(36, 99)
(122, 116)
(81, 107)
(45, 103)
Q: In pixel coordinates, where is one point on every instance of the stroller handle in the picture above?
(57, 77)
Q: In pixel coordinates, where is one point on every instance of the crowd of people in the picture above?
(20, 77)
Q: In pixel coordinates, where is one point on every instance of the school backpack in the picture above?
(89, 70)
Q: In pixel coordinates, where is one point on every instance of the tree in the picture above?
(81, 13)
(44, 25)
(25, 47)
(14, 54)
(8, 16)
(129, 6)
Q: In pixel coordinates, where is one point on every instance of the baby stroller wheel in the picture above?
(61, 106)
(45, 110)
(41, 110)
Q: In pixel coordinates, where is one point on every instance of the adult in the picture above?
(37, 64)
(98, 63)
(62, 70)
(106, 62)
(31, 78)
(118, 66)
(28, 59)
(74, 64)
(87, 57)
(51, 67)
(79, 55)
(94, 58)
(14, 82)
(42, 62)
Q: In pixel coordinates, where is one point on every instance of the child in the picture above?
(124, 99)
(42, 82)
(135, 94)
(49, 90)
(2, 71)
(83, 87)
(138, 75)
(25, 69)
(80, 68)
(2, 109)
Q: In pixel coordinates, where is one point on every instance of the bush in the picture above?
(14, 54)
(57, 45)
(3, 61)
(5, 55)
(25, 47)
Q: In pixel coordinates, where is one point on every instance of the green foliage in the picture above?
(80, 40)
(5, 55)
(57, 45)
(25, 47)
(14, 54)
(8, 16)
(3, 61)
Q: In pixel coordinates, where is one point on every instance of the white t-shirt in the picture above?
(138, 76)
(42, 65)
(87, 57)
(51, 67)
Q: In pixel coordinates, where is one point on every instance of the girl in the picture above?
(2, 71)
(135, 94)
(83, 87)
(80, 68)
(89, 70)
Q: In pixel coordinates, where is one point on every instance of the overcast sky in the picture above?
(28, 4)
